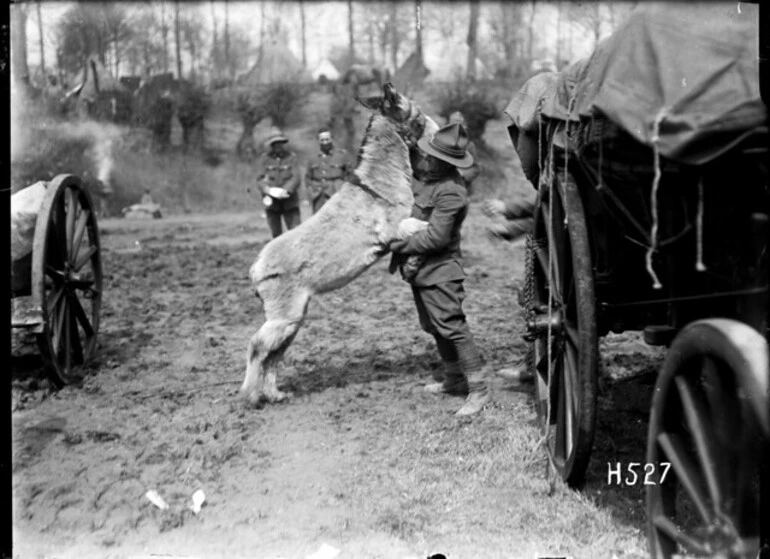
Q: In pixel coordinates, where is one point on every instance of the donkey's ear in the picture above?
(373, 103)
(390, 93)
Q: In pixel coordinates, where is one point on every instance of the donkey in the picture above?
(336, 245)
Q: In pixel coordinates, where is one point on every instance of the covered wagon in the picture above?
(56, 272)
(650, 163)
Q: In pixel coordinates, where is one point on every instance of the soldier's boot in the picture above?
(476, 373)
(452, 381)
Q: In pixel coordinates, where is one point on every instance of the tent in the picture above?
(97, 79)
(276, 65)
(450, 63)
(411, 74)
(326, 69)
(100, 95)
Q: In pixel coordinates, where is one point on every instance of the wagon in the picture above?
(655, 219)
(57, 287)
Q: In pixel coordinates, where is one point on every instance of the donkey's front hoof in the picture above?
(253, 400)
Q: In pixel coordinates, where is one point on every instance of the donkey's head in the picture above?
(409, 120)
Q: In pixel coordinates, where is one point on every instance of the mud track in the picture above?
(360, 458)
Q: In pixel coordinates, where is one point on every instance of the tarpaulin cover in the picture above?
(692, 67)
(25, 205)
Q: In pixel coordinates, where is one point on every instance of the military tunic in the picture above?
(280, 172)
(444, 205)
(438, 285)
(325, 175)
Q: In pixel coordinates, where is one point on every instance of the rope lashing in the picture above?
(654, 200)
(539, 142)
(699, 265)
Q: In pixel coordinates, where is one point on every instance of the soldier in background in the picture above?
(327, 172)
(279, 181)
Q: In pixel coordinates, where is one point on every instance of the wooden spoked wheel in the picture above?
(710, 409)
(561, 323)
(67, 278)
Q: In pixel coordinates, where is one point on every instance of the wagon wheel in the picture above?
(560, 274)
(710, 404)
(67, 278)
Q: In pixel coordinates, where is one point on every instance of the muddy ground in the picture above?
(360, 459)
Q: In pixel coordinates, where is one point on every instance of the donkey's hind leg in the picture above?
(268, 345)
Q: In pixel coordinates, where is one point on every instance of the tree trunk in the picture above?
(418, 27)
(598, 24)
(558, 34)
(178, 39)
(164, 32)
(262, 26)
(395, 35)
(116, 52)
(214, 43)
(351, 43)
(370, 34)
(19, 65)
(531, 32)
(304, 32)
(510, 18)
(473, 26)
(40, 34)
(228, 64)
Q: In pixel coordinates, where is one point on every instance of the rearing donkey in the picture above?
(335, 246)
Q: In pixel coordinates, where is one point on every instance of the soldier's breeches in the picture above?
(319, 201)
(290, 217)
(439, 308)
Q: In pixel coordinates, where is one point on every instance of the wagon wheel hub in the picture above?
(539, 324)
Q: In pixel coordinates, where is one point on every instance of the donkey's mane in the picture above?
(383, 161)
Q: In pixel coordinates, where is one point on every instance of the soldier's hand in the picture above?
(409, 226)
(396, 246)
(493, 208)
(511, 229)
(277, 192)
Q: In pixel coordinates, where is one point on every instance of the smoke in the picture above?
(28, 115)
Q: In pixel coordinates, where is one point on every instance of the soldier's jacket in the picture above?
(444, 205)
(281, 172)
(326, 173)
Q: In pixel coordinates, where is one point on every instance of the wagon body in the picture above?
(56, 273)
(652, 215)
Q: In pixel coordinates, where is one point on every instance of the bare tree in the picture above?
(442, 18)
(418, 27)
(473, 26)
(214, 43)
(395, 35)
(351, 35)
(192, 31)
(559, 18)
(19, 65)
(164, 33)
(228, 63)
(370, 35)
(505, 23)
(178, 40)
(93, 29)
(589, 17)
(531, 31)
(40, 37)
(303, 31)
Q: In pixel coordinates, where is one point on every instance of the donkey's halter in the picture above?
(416, 126)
